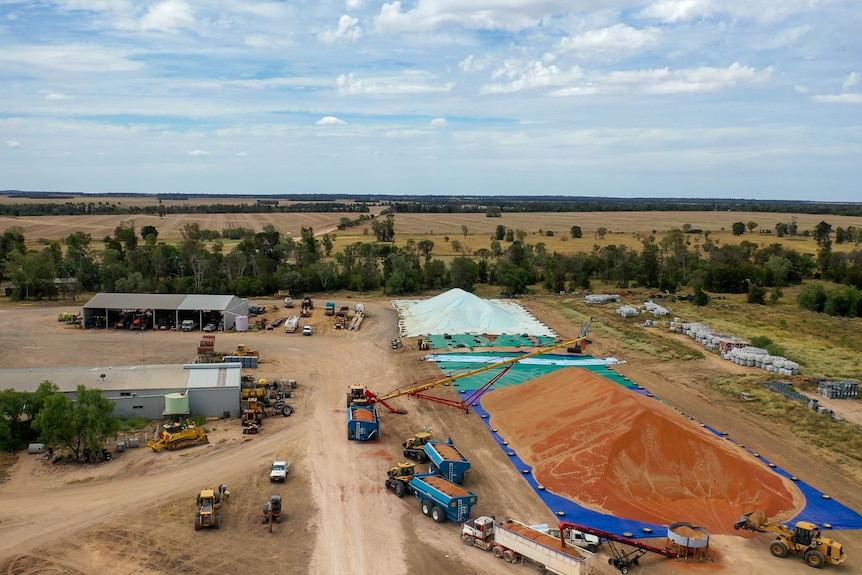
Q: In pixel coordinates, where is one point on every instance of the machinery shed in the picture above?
(139, 391)
(162, 311)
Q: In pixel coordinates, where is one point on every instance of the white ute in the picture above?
(279, 470)
(583, 540)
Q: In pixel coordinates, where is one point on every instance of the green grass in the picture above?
(134, 424)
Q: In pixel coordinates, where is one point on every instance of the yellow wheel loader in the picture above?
(803, 540)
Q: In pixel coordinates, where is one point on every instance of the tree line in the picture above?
(266, 262)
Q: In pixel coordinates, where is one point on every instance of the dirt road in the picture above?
(135, 513)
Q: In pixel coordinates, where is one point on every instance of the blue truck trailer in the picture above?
(446, 460)
(441, 499)
(362, 423)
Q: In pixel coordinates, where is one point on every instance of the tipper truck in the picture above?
(330, 308)
(362, 422)
(441, 499)
(512, 540)
(447, 460)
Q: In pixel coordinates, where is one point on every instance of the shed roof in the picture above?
(127, 378)
(187, 302)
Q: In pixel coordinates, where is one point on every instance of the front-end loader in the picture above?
(803, 540)
(208, 514)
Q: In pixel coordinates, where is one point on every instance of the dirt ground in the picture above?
(134, 515)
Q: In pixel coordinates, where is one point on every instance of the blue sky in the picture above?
(626, 98)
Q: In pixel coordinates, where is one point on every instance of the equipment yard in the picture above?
(133, 514)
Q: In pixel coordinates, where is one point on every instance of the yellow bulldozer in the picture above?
(241, 349)
(208, 514)
(177, 436)
(803, 540)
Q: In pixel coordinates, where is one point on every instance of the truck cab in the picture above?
(189, 325)
(279, 470)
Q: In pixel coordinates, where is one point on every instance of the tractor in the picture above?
(398, 480)
(413, 446)
(208, 514)
(272, 511)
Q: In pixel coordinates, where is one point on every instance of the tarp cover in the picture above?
(457, 311)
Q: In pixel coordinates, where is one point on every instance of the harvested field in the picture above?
(612, 450)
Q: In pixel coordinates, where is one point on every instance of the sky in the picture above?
(753, 99)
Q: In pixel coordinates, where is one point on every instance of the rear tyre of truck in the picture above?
(498, 551)
(509, 556)
(438, 514)
(426, 509)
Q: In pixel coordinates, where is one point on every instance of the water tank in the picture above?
(176, 404)
(242, 323)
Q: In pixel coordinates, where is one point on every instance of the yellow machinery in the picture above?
(241, 349)
(413, 446)
(177, 436)
(208, 514)
(803, 540)
(398, 478)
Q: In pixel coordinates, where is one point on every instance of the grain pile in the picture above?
(618, 452)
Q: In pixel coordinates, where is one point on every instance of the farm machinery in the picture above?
(177, 435)
(272, 511)
(208, 514)
(360, 395)
(803, 540)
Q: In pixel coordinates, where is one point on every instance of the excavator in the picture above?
(360, 395)
(803, 540)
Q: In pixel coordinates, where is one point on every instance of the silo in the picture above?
(176, 404)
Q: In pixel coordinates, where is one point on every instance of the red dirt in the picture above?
(444, 486)
(615, 451)
(448, 452)
(362, 414)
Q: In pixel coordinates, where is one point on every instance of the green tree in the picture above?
(751, 226)
(756, 294)
(576, 232)
(738, 228)
(464, 231)
(601, 233)
(463, 272)
(384, 230)
(500, 233)
(425, 247)
(812, 297)
(147, 231)
(701, 298)
(493, 212)
(83, 424)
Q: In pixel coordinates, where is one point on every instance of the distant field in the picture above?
(624, 228)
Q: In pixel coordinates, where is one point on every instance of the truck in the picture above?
(572, 536)
(441, 499)
(304, 310)
(189, 325)
(447, 460)
(330, 308)
(363, 423)
(512, 540)
(279, 470)
(291, 324)
(341, 317)
(359, 309)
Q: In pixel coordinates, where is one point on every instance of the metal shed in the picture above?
(139, 391)
(161, 311)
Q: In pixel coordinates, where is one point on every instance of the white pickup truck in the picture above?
(576, 538)
(279, 470)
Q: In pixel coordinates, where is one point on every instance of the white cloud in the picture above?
(353, 4)
(168, 15)
(409, 82)
(611, 43)
(11, 16)
(848, 98)
(852, 80)
(198, 153)
(800, 89)
(472, 64)
(678, 10)
(330, 121)
(241, 154)
(438, 122)
(577, 82)
(68, 58)
(347, 29)
(476, 14)
(56, 96)
(12, 144)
